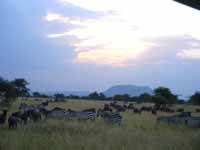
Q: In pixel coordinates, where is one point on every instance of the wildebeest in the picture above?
(154, 112)
(12, 121)
(113, 103)
(34, 115)
(35, 112)
(168, 110)
(137, 111)
(164, 109)
(107, 107)
(130, 106)
(119, 108)
(145, 108)
(3, 116)
(23, 116)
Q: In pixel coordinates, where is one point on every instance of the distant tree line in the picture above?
(162, 96)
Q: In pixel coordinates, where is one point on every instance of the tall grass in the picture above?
(136, 133)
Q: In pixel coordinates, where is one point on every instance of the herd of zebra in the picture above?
(110, 113)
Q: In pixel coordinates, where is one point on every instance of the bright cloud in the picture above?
(53, 17)
(122, 32)
(189, 54)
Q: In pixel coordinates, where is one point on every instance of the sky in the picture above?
(61, 45)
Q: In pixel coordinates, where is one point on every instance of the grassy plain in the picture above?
(138, 132)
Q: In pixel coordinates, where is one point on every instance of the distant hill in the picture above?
(131, 90)
(67, 93)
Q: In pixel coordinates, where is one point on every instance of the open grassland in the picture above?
(138, 132)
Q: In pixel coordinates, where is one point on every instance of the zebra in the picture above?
(110, 117)
(81, 115)
(86, 115)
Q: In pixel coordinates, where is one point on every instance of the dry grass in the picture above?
(137, 132)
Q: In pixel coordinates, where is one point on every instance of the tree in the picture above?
(195, 98)
(73, 97)
(102, 96)
(124, 97)
(145, 97)
(36, 94)
(93, 95)
(135, 99)
(21, 87)
(9, 90)
(159, 101)
(59, 97)
(167, 94)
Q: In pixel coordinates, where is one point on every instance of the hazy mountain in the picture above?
(67, 93)
(131, 90)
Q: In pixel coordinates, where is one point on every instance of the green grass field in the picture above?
(136, 133)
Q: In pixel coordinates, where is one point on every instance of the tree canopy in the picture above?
(195, 98)
(9, 90)
(166, 94)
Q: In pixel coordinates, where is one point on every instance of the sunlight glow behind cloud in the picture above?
(124, 30)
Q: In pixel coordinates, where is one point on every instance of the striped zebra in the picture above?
(81, 115)
(110, 117)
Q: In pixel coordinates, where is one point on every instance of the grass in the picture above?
(137, 132)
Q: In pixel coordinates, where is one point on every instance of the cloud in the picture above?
(189, 54)
(123, 30)
(54, 17)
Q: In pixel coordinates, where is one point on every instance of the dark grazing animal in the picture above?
(45, 103)
(12, 121)
(130, 106)
(3, 116)
(119, 108)
(145, 108)
(113, 104)
(168, 110)
(107, 108)
(23, 116)
(42, 106)
(137, 111)
(112, 117)
(154, 112)
(45, 112)
(125, 106)
(163, 109)
(34, 115)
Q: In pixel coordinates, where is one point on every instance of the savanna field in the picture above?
(137, 132)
